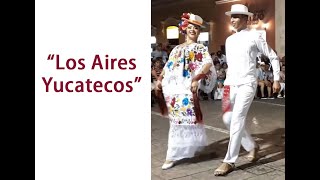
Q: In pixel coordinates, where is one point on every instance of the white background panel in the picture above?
(97, 135)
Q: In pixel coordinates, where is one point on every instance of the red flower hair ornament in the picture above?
(187, 18)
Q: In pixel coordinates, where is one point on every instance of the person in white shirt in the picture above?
(158, 52)
(240, 85)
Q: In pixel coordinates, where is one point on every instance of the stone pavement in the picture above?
(265, 121)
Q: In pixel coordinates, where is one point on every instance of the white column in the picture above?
(211, 23)
(211, 36)
(163, 30)
(280, 27)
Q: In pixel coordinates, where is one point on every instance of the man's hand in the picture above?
(194, 86)
(276, 86)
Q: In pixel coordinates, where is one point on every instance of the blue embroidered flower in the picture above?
(185, 73)
(169, 64)
(185, 101)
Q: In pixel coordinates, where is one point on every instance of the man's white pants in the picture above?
(241, 97)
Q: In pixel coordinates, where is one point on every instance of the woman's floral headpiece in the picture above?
(187, 18)
(184, 22)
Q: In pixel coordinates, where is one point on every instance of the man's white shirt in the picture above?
(242, 49)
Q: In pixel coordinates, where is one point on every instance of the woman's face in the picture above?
(193, 31)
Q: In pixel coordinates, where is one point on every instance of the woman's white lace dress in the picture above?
(186, 136)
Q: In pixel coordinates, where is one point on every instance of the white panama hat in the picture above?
(239, 9)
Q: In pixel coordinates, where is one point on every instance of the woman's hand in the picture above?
(194, 86)
(158, 85)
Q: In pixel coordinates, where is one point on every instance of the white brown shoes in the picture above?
(253, 154)
(224, 169)
(167, 165)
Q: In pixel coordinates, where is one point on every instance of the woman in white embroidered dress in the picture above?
(188, 64)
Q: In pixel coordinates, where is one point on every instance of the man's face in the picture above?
(238, 21)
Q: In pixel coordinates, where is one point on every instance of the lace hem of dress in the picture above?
(177, 153)
(187, 135)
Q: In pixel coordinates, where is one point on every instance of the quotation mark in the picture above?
(137, 79)
(50, 57)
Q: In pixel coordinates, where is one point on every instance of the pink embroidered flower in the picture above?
(192, 66)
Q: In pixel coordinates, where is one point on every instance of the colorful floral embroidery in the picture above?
(173, 101)
(169, 64)
(185, 101)
(192, 66)
(199, 56)
(181, 109)
(186, 73)
(191, 55)
(184, 63)
(189, 112)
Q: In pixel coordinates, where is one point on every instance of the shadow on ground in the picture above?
(272, 148)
